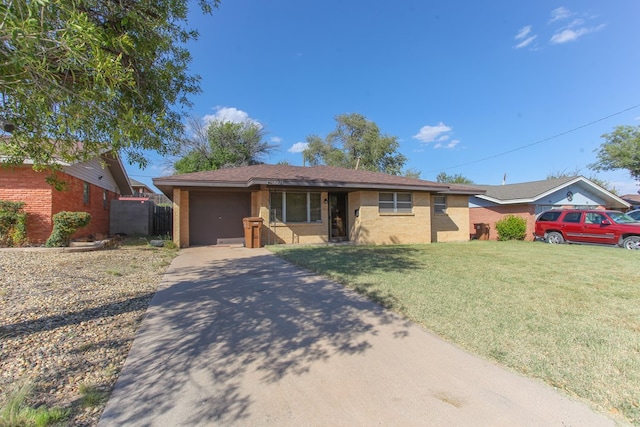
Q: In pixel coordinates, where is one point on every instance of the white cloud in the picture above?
(229, 114)
(450, 145)
(526, 37)
(526, 42)
(560, 13)
(524, 32)
(275, 139)
(431, 133)
(569, 35)
(298, 147)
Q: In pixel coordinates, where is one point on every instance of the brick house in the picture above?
(89, 187)
(528, 199)
(315, 205)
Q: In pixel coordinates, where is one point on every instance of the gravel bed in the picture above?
(67, 321)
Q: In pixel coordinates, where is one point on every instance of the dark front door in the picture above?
(338, 217)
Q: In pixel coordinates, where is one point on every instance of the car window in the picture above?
(635, 215)
(549, 216)
(572, 217)
(621, 218)
(593, 218)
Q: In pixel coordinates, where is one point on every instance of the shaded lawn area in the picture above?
(567, 314)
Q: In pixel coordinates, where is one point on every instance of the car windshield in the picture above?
(621, 218)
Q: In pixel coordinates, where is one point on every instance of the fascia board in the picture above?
(505, 202)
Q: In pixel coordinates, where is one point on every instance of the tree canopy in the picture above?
(453, 179)
(356, 142)
(82, 77)
(621, 150)
(219, 144)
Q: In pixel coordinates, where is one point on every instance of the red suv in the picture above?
(588, 226)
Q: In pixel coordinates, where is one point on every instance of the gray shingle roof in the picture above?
(526, 190)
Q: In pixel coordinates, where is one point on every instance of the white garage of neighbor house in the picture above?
(315, 205)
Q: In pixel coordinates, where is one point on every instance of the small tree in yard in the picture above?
(64, 225)
(511, 227)
(13, 223)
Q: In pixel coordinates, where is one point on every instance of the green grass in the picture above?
(569, 315)
(15, 412)
(91, 396)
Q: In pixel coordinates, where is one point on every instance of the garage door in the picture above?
(214, 216)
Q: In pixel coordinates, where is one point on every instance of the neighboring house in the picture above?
(89, 187)
(632, 199)
(314, 205)
(140, 188)
(528, 199)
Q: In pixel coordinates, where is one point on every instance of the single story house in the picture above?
(90, 186)
(315, 205)
(528, 199)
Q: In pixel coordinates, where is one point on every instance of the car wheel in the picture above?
(555, 238)
(631, 242)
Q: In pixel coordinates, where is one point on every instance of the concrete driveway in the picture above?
(237, 336)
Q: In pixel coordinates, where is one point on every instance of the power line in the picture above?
(537, 142)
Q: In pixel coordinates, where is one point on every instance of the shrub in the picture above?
(13, 223)
(511, 227)
(64, 225)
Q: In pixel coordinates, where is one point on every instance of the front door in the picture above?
(338, 217)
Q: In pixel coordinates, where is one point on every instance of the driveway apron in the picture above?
(237, 336)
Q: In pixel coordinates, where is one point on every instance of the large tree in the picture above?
(621, 150)
(81, 77)
(219, 144)
(453, 179)
(356, 142)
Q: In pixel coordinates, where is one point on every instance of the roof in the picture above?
(112, 161)
(529, 192)
(300, 176)
(137, 184)
(118, 172)
(632, 198)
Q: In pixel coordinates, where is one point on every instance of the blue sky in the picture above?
(481, 89)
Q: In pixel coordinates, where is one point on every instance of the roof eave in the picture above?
(119, 173)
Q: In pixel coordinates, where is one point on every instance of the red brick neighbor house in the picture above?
(89, 187)
(528, 199)
(316, 204)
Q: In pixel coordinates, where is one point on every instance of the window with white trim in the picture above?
(291, 206)
(440, 204)
(395, 203)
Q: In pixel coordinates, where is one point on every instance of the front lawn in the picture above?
(567, 314)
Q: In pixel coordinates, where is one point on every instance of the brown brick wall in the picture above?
(22, 183)
(490, 215)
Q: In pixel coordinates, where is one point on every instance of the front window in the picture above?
(293, 206)
(395, 203)
(440, 204)
(85, 193)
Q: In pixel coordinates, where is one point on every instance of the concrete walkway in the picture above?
(236, 336)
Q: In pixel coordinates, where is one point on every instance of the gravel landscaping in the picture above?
(67, 321)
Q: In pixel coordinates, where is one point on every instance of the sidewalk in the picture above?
(237, 336)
